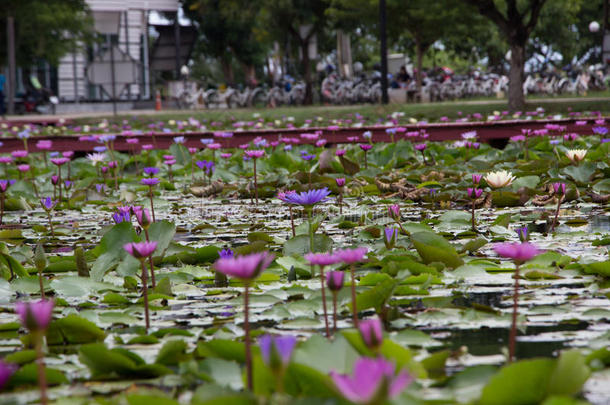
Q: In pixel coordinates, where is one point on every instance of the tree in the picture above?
(45, 29)
(516, 20)
(301, 20)
(424, 21)
(230, 29)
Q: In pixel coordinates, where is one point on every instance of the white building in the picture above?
(122, 56)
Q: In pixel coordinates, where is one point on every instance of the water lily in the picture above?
(36, 316)
(334, 282)
(351, 257)
(150, 182)
(576, 155)
(255, 154)
(371, 332)
(340, 184)
(6, 371)
(276, 352)
(246, 268)
(322, 260)
(499, 179)
(373, 381)
(519, 253)
(141, 251)
(308, 199)
(390, 236)
(365, 148)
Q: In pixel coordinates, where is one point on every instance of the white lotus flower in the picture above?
(499, 179)
(96, 158)
(576, 155)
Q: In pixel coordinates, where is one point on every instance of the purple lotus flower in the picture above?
(246, 267)
(340, 181)
(6, 159)
(334, 280)
(371, 332)
(559, 188)
(390, 236)
(349, 256)
(474, 193)
(179, 139)
(420, 147)
(308, 198)
(321, 259)
(394, 212)
(307, 157)
(276, 351)
(35, 316)
(23, 168)
(254, 153)
(44, 144)
(600, 130)
(19, 153)
(476, 179)
(372, 379)
(152, 181)
(340, 152)
(518, 252)
(282, 195)
(47, 203)
(6, 371)
(151, 171)
(207, 166)
(119, 217)
(522, 233)
(140, 250)
(4, 185)
(225, 254)
(365, 146)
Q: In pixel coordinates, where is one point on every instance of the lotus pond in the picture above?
(433, 257)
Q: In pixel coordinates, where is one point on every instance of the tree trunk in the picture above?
(227, 70)
(419, 56)
(307, 72)
(516, 100)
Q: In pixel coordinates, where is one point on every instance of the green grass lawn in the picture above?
(429, 111)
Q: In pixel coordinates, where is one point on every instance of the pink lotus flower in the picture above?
(476, 179)
(214, 146)
(365, 146)
(372, 379)
(340, 152)
(394, 211)
(559, 188)
(518, 252)
(19, 153)
(23, 168)
(321, 259)
(6, 159)
(59, 161)
(35, 316)
(142, 215)
(246, 267)
(420, 146)
(6, 371)
(371, 332)
(254, 153)
(140, 250)
(349, 256)
(474, 193)
(334, 280)
(44, 144)
(340, 181)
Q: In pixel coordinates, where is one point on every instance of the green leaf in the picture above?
(143, 399)
(376, 296)
(117, 363)
(522, 383)
(172, 353)
(434, 248)
(581, 173)
(28, 375)
(110, 249)
(163, 232)
(73, 329)
(570, 374)
(299, 245)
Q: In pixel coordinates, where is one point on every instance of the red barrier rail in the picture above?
(486, 131)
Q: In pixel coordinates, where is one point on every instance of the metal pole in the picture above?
(74, 74)
(177, 41)
(145, 58)
(126, 17)
(113, 77)
(10, 37)
(384, 52)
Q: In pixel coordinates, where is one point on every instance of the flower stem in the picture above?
(1, 208)
(145, 292)
(152, 271)
(152, 208)
(340, 200)
(311, 238)
(366, 163)
(247, 340)
(324, 301)
(474, 228)
(40, 283)
(255, 182)
(513, 330)
(42, 377)
(291, 220)
(334, 312)
(51, 223)
(59, 181)
(556, 213)
(354, 309)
